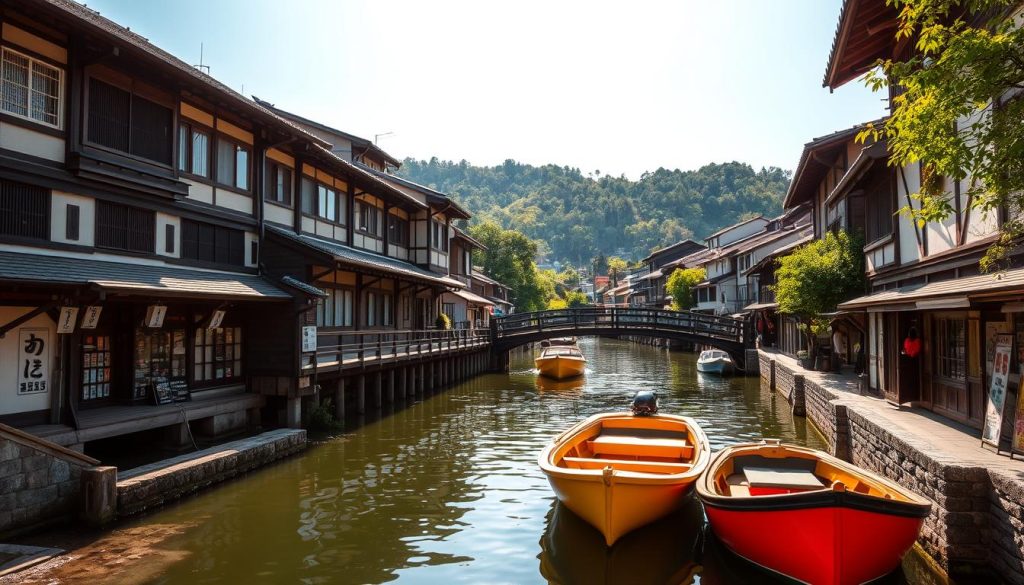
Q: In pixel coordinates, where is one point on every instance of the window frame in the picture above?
(336, 294)
(404, 243)
(194, 365)
(238, 144)
(274, 169)
(150, 251)
(439, 240)
(61, 93)
(360, 208)
(166, 103)
(217, 230)
(211, 135)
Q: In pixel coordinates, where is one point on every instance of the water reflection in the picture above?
(665, 552)
(447, 489)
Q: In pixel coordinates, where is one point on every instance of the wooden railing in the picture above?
(344, 349)
(620, 319)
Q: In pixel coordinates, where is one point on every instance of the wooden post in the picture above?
(391, 385)
(420, 379)
(377, 390)
(339, 400)
(431, 380)
(361, 394)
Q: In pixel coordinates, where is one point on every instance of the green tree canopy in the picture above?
(680, 285)
(509, 260)
(954, 114)
(616, 268)
(819, 275)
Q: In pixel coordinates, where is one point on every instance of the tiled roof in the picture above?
(105, 26)
(780, 252)
(431, 194)
(462, 234)
(365, 179)
(362, 258)
(735, 225)
(140, 278)
(473, 297)
(965, 287)
(303, 286)
(477, 275)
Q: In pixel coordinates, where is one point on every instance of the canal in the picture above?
(447, 490)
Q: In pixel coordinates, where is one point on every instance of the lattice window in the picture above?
(31, 89)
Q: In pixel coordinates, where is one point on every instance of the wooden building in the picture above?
(649, 288)
(162, 236)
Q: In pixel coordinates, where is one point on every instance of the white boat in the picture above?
(714, 361)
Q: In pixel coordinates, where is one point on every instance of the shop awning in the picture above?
(363, 259)
(946, 294)
(473, 298)
(136, 278)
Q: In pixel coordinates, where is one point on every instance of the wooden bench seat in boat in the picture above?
(641, 446)
(627, 465)
(767, 481)
(738, 485)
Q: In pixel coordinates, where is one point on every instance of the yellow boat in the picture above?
(561, 362)
(620, 471)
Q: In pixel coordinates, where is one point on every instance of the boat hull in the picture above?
(614, 501)
(716, 366)
(560, 367)
(854, 529)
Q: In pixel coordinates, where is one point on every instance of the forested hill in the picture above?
(579, 216)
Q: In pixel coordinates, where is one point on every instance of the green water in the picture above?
(447, 490)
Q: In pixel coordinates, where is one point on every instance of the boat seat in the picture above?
(641, 446)
(627, 465)
(766, 481)
(738, 485)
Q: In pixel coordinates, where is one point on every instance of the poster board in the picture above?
(169, 390)
(1017, 439)
(995, 405)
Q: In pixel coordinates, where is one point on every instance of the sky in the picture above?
(611, 87)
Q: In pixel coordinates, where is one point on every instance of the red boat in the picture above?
(807, 515)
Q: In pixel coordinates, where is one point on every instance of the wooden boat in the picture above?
(620, 471)
(808, 515)
(714, 361)
(561, 362)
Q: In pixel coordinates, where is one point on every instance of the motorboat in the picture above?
(808, 515)
(561, 362)
(714, 361)
(619, 471)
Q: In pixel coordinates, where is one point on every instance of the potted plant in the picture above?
(804, 357)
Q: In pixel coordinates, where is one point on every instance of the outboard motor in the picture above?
(645, 403)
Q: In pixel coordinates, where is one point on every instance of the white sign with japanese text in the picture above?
(33, 360)
(91, 317)
(66, 320)
(309, 338)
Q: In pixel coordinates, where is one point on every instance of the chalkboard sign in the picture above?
(166, 391)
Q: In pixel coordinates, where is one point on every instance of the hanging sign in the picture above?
(216, 319)
(155, 316)
(308, 338)
(66, 320)
(997, 391)
(33, 360)
(91, 317)
(1017, 440)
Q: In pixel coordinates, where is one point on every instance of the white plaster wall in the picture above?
(86, 218)
(10, 401)
(309, 225)
(398, 252)
(200, 192)
(235, 201)
(324, 229)
(162, 220)
(279, 215)
(24, 140)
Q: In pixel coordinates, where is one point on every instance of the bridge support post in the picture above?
(361, 394)
(430, 377)
(377, 390)
(339, 400)
(391, 386)
(420, 380)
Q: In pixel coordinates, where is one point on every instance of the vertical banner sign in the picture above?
(309, 339)
(216, 319)
(33, 360)
(66, 320)
(91, 317)
(155, 316)
(997, 391)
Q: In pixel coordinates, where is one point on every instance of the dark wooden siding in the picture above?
(125, 228)
(209, 243)
(24, 210)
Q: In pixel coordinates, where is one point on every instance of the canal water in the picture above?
(447, 490)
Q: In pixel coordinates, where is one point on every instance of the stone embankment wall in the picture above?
(39, 481)
(977, 518)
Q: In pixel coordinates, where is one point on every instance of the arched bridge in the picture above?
(725, 333)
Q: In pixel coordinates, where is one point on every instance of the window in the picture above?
(123, 121)
(367, 220)
(308, 196)
(31, 89)
(389, 318)
(371, 309)
(327, 203)
(212, 243)
(279, 184)
(439, 236)
(232, 164)
(158, 354)
(398, 231)
(218, 354)
(71, 222)
(194, 150)
(950, 348)
(336, 309)
(448, 309)
(879, 205)
(24, 210)
(121, 227)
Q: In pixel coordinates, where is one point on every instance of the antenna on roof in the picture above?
(376, 136)
(204, 68)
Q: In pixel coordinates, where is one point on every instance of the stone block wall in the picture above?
(829, 417)
(790, 384)
(1005, 537)
(37, 486)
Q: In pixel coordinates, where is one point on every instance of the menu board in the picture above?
(996, 403)
(168, 390)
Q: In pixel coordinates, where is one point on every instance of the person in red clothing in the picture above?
(912, 344)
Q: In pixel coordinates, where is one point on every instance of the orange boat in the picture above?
(561, 362)
(807, 515)
(620, 471)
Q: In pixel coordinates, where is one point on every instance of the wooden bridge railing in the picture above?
(345, 348)
(623, 319)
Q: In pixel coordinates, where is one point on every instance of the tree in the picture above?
(680, 285)
(616, 267)
(818, 276)
(954, 114)
(575, 298)
(509, 259)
